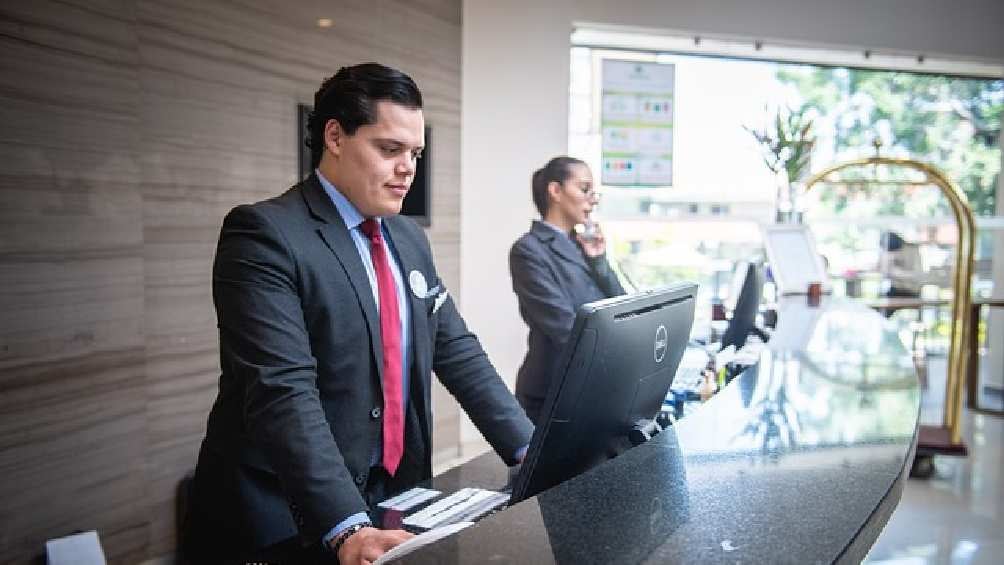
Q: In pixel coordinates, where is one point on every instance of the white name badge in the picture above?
(419, 287)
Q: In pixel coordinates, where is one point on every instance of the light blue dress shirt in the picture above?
(353, 220)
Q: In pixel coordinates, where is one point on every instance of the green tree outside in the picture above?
(952, 123)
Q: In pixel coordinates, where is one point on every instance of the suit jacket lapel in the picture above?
(562, 246)
(336, 237)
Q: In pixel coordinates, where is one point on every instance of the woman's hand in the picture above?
(592, 241)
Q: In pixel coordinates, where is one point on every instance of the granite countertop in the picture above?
(799, 460)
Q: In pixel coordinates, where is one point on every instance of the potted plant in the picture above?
(786, 144)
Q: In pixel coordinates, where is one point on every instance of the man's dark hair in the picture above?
(556, 170)
(351, 96)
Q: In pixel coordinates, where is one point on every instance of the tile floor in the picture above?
(957, 516)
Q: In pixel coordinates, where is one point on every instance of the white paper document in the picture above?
(77, 549)
(409, 499)
(423, 539)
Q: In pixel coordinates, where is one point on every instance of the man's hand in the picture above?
(594, 245)
(368, 544)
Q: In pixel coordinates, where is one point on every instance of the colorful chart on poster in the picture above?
(637, 123)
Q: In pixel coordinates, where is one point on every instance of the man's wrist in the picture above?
(357, 518)
(339, 540)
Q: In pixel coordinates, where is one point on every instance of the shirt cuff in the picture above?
(357, 518)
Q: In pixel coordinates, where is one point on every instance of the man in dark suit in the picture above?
(331, 318)
(554, 272)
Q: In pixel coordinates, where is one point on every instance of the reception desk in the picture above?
(801, 459)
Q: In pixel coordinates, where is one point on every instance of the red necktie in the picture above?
(390, 335)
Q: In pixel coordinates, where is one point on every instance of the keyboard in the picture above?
(465, 505)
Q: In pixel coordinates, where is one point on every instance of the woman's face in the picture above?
(576, 198)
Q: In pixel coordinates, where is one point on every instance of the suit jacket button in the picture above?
(376, 413)
(360, 479)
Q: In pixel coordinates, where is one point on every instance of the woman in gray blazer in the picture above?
(554, 271)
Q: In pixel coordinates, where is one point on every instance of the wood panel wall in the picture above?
(127, 130)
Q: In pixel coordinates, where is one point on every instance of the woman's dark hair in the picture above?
(556, 170)
(350, 96)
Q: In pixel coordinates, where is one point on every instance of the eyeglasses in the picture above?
(587, 190)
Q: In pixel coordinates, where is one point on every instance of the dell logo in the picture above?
(661, 343)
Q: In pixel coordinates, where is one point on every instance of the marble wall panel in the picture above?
(127, 130)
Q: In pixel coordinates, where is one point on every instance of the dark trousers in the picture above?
(290, 551)
(379, 486)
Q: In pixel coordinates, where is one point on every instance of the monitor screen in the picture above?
(615, 371)
(794, 261)
(749, 281)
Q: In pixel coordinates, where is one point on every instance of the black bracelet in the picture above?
(346, 534)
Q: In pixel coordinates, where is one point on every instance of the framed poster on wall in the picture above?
(636, 121)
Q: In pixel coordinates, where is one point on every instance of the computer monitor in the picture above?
(749, 281)
(615, 371)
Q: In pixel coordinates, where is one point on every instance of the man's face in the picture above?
(374, 167)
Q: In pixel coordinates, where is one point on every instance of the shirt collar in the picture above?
(555, 228)
(350, 215)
